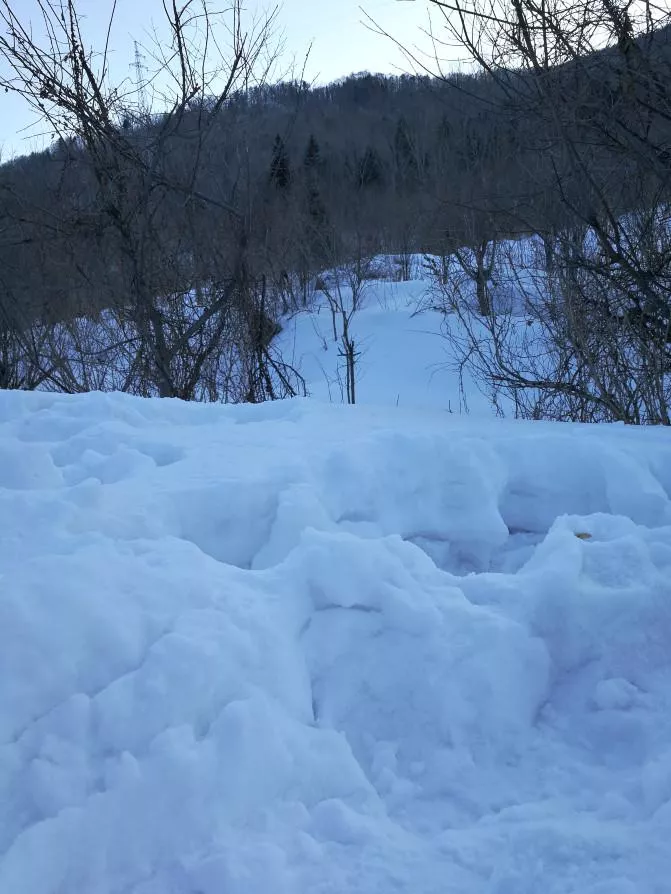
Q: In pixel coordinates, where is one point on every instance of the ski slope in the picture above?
(304, 648)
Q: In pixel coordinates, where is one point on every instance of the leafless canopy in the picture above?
(182, 311)
(588, 335)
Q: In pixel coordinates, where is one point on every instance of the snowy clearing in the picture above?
(299, 648)
(403, 357)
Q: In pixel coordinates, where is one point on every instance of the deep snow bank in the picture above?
(299, 648)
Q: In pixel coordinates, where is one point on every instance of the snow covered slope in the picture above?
(299, 648)
(403, 355)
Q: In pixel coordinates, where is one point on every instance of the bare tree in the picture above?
(176, 250)
(345, 289)
(589, 336)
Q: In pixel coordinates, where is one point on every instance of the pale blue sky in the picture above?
(341, 44)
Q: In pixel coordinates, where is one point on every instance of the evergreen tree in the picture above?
(315, 208)
(407, 170)
(312, 158)
(280, 168)
(311, 164)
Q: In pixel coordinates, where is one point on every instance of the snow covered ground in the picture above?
(403, 355)
(299, 648)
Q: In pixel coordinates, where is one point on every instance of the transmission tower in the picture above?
(140, 83)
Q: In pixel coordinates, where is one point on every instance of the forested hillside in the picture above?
(372, 163)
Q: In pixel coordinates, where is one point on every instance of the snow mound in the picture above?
(301, 648)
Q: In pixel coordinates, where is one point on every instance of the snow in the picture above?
(305, 647)
(302, 647)
(403, 358)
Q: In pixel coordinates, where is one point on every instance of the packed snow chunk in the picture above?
(430, 490)
(181, 796)
(230, 521)
(265, 755)
(66, 628)
(334, 821)
(552, 475)
(209, 657)
(27, 467)
(395, 658)
(298, 508)
(602, 599)
(246, 866)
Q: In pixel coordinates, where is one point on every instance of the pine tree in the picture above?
(311, 165)
(312, 158)
(404, 157)
(280, 168)
(316, 215)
